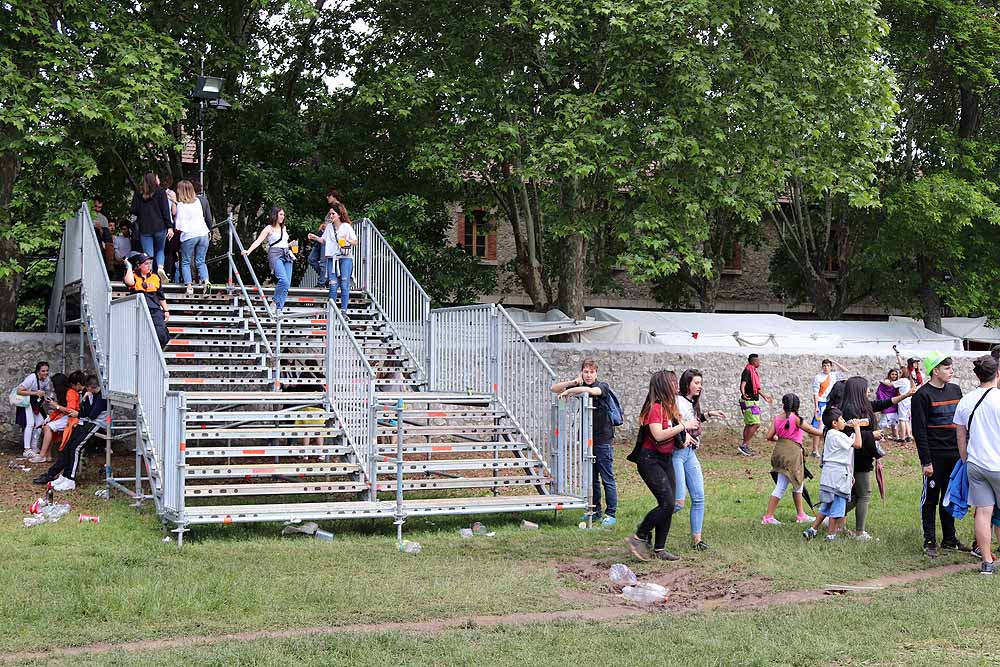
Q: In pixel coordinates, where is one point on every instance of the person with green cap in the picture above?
(933, 408)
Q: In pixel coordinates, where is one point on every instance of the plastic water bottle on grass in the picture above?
(645, 594)
(621, 576)
(410, 547)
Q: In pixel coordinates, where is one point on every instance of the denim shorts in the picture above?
(835, 509)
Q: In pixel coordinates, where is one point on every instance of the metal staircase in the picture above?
(391, 409)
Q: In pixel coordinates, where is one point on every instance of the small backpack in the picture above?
(614, 407)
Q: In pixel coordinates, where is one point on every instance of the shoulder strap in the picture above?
(278, 240)
(968, 426)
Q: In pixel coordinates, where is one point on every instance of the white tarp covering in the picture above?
(553, 323)
(972, 329)
(767, 330)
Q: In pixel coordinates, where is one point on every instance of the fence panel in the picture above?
(96, 293)
(172, 459)
(58, 283)
(350, 389)
(524, 383)
(463, 353)
(395, 292)
(123, 364)
(151, 381)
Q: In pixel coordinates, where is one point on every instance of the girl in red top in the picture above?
(64, 411)
(660, 424)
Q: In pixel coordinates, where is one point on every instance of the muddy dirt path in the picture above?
(685, 595)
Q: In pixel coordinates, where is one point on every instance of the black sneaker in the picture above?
(663, 554)
(41, 479)
(700, 545)
(744, 450)
(930, 549)
(976, 553)
(986, 568)
(639, 547)
(955, 546)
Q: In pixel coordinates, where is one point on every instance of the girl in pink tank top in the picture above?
(788, 459)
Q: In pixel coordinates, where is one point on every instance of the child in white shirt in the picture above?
(837, 478)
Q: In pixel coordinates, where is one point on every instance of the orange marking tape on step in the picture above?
(183, 446)
(253, 451)
(185, 355)
(175, 330)
(590, 442)
(319, 332)
(317, 321)
(559, 506)
(262, 470)
(195, 380)
(179, 342)
(437, 414)
(441, 448)
(226, 520)
(307, 299)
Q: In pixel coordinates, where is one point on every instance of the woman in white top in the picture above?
(36, 386)
(279, 255)
(339, 240)
(688, 477)
(190, 223)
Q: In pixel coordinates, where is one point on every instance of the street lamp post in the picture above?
(208, 92)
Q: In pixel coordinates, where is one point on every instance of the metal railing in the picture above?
(572, 456)
(172, 456)
(235, 273)
(58, 283)
(123, 366)
(395, 293)
(462, 352)
(350, 391)
(480, 350)
(95, 292)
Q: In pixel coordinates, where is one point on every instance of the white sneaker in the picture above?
(863, 536)
(27, 454)
(826, 522)
(63, 484)
(189, 292)
(38, 458)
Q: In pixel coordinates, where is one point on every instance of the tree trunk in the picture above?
(708, 292)
(572, 269)
(527, 260)
(10, 166)
(969, 122)
(930, 302)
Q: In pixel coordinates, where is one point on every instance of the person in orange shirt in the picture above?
(821, 386)
(64, 411)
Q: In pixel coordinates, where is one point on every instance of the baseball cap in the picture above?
(933, 360)
(141, 258)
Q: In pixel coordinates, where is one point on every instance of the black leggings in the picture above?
(657, 471)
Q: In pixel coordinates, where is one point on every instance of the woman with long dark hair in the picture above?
(36, 387)
(688, 477)
(852, 400)
(154, 221)
(279, 254)
(660, 426)
(339, 240)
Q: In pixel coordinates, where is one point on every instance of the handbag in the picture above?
(17, 400)
(680, 441)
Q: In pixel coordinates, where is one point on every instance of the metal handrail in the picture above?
(395, 292)
(350, 392)
(233, 236)
(278, 319)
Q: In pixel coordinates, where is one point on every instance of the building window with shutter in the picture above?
(733, 259)
(477, 235)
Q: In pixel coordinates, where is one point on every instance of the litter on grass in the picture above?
(621, 576)
(645, 593)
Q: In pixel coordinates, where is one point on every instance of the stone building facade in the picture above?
(744, 287)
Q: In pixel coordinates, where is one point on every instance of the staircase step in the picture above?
(226, 417)
(213, 342)
(379, 509)
(457, 413)
(177, 318)
(209, 331)
(410, 467)
(250, 356)
(184, 381)
(457, 430)
(264, 451)
(281, 488)
(262, 433)
(216, 368)
(464, 483)
(254, 397)
(270, 470)
(389, 450)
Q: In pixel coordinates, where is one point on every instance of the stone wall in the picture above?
(627, 368)
(19, 352)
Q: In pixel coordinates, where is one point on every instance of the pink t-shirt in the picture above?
(793, 431)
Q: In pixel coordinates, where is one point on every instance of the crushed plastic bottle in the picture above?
(465, 532)
(528, 525)
(480, 530)
(42, 512)
(645, 593)
(410, 547)
(621, 576)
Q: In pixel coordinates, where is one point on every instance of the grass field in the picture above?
(69, 585)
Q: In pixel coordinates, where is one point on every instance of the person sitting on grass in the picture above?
(838, 472)
(93, 418)
(788, 459)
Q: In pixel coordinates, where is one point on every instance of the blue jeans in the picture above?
(688, 478)
(343, 281)
(152, 245)
(604, 474)
(282, 270)
(317, 261)
(194, 249)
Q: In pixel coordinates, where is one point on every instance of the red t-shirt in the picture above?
(657, 416)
